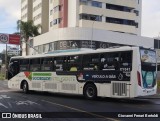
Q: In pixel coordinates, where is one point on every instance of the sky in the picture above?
(10, 11)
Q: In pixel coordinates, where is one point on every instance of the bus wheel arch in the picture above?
(90, 90)
(24, 86)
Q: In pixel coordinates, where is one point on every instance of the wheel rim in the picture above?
(90, 92)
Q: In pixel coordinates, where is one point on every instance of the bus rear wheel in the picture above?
(90, 91)
(25, 87)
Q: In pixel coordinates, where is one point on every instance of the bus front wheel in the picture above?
(25, 87)
(90, 91)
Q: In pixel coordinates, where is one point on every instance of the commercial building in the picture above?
(13, 51)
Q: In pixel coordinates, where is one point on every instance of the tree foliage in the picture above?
(27, 29)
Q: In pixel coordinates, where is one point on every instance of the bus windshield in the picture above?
(148, 62)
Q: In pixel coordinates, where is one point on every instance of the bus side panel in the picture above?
(104, 90)
(135, 68)
(15, 82)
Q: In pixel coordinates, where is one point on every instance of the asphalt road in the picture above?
(63, 107)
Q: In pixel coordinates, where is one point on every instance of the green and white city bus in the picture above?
(122, 72)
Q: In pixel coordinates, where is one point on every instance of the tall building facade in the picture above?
(58, 17)
(38, 11)
(26, 10)
(41, 14)
(115, 15)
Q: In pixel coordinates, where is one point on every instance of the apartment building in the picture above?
(61, 18)
(41, 14)
(26, 10)
(38, 11)
(114, 15)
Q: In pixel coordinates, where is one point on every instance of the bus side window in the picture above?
(91, 62)
(46, 64)
(74, 63)
(60, 63)
(35, 64)
(109, 61)
(24, 65)
(126, 61)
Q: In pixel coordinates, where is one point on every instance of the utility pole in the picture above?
(6, 62)
(93, 28)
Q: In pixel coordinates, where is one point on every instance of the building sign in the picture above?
(9, 39)
(14, 39)
(75, 44)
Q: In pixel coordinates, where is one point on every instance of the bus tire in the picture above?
(25, 87)
(90, 91)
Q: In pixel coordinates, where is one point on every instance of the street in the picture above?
(72, 107)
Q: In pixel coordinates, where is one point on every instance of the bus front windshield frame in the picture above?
(148, 66)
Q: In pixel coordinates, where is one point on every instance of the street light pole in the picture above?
(93, 29)
(6, 62)
(92, 33)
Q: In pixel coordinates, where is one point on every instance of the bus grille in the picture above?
(119, 89)
(68, 87)
(36, 85)
(50, 86)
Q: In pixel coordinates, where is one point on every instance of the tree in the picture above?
(27, 29)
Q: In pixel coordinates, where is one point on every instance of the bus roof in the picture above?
(112, 49)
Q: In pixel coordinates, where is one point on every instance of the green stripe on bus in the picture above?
(41, 74)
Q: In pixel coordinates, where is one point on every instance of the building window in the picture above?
(57, 21)
(118, 7)
(136, 12)
(37, 7)
(40, 49)
(157, 44)
(83, 2)
(54, 21)
(31, 43)
(51, 12)
(120, 21)
(46, 48)
(97, 4)
(51, 24)
(57, 8)
(90, 17)
(37, 17)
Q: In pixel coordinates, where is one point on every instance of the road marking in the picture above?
(9, 90)
(79, 110)
(4, 97)
(27, 102)
(3, 105)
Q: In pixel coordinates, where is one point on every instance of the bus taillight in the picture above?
(139, 78)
